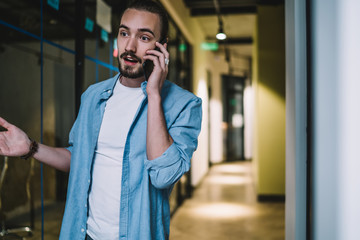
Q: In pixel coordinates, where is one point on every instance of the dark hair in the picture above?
(153, 7)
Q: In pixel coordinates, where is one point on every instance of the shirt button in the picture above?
(85, 205)
(89, 181)
(82, 230)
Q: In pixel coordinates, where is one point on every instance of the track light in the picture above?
(221, 35)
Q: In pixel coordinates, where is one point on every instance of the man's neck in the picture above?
(131, 82)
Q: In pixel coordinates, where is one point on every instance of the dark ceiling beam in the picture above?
(270, 2)
(224, 10)
(230, 3)
(233, 41)
(223, 3)
(206, 7)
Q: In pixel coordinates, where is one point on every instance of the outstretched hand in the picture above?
(13, 142)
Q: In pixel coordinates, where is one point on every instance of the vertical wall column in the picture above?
(296, 119)
(79, 51)
(269, 86)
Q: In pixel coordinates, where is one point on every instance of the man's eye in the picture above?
(145, 38)
(123, 34)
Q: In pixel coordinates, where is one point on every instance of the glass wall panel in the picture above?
(20, 105)
(58, 24)
(92, 70)
(172, 49)
(180, 74)
(92, 32)
(99, 42)
(58, 118)
(21, 14)
(104, 45)
(104, 73)
(184, 63)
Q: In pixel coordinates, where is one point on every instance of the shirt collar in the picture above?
(143, 87)
(109, 88)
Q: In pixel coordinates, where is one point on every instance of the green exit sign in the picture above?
(209, 46)
(182, 47)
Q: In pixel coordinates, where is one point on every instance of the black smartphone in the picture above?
(148, 65)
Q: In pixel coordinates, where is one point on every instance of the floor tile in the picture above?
(224, 206)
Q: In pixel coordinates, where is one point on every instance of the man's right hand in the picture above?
(14, 142)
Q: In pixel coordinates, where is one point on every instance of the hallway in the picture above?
(224, 206)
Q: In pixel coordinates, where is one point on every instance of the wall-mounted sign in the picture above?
(54, 4)
(116, 50)
(104, 35)
(209, 46)
(89, 24)
(103, 15)
(182, 47)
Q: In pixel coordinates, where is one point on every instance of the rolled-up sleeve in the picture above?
(71, 141)
(167, 169)
(74, 128)
(71, 138)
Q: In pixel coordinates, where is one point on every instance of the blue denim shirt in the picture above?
(146, 185)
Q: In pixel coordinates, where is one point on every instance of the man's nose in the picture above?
(131, 45)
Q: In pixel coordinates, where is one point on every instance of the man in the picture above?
(132, 140)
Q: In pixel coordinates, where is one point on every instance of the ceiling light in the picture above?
(221, 35)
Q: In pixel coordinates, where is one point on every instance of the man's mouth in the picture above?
(129, 58)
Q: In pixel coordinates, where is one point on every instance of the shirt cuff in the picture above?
(168, 158)
(70, 148)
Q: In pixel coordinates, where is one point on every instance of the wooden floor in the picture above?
(224, 206)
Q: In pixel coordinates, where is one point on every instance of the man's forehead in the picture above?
(137, 19)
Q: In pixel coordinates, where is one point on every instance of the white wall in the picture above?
(199, 164)
(336, 85)
(270, 106)
(249, 104)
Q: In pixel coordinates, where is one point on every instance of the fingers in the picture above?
(160, 54)
(4, 148)
(4, 123)
(158, 61)
(163, 49)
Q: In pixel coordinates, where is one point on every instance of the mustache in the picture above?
(131, 54)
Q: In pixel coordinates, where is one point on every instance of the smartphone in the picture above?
(148, 65)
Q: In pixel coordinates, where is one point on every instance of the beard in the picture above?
(130, 71)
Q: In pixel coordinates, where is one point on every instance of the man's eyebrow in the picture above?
(146, 30)
(123, 26)
(140, 29)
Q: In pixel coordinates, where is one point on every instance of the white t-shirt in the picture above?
(104, 197)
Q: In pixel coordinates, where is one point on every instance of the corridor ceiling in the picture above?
(238, 18)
